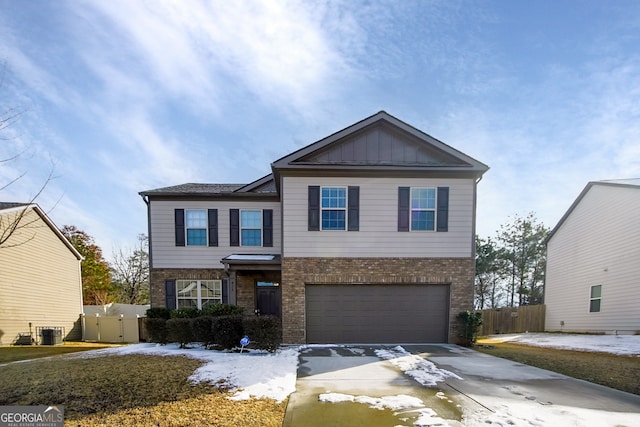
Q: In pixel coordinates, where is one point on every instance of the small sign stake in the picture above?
(244, 342)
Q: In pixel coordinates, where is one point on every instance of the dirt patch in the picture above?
(619, 372)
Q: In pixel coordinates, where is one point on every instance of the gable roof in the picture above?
(378, 143)
(625, 183)
(8, 208)
(381, 142)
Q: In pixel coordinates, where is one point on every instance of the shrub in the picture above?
(216, 309)
(185, 313)
(202, 331)
(158, 313)
(179, 330)
(156, 329)
(264, 332)
(227, 330)
(471, 322)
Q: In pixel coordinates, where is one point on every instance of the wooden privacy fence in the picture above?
(512, 320)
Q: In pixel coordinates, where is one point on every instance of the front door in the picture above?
(268, 299)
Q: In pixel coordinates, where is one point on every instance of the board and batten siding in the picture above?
(378, 234)
(597, 244)
(40, 281)
(167, 255)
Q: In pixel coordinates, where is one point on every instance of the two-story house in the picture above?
(593, 261)
(366, 236)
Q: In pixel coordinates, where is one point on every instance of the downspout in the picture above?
(473, 238)
(146, 200)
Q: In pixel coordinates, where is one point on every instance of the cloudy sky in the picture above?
(118, 97)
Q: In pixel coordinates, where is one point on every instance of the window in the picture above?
(198, 293)
(251, 228)
(595, 299)
(196, 225)
(423, 209)
(333, 202)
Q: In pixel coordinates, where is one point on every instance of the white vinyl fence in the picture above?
(111, 329)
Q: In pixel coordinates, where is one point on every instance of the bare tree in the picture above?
(18, 222)
(130, 273)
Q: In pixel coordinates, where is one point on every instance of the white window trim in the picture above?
(187, 228)
(596, 298)
(251, 228)
(199, 297)
(346, 205)
(434, 209)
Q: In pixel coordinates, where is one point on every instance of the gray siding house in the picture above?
(364, 236)
(593, 262)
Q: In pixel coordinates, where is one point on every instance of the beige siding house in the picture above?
(365, 236)
(40, 283)
(593, 262)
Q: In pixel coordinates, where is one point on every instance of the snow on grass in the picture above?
(423, 371)
(254, 374)
(625, 345)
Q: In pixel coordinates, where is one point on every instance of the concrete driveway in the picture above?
(393, 386)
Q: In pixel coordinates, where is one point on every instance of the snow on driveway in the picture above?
(257, 374)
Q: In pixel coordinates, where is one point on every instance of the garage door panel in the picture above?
(377, 313)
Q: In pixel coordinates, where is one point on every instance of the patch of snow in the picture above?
(625, 345)
(422, 370)
(428, 417)
(394, 403)
(254, 374)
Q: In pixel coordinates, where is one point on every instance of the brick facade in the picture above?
(159, 275)
(245, 283)
(296, 272)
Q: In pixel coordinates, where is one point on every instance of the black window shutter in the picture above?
(267, 227)
(403, 208)
(213, 227)
(314, 208)
(353, 211)
(225, 291)
(179, 223)
(443, 209)
(170, 294)
(234, 227)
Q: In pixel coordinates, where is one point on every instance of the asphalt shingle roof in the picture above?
(194, 188)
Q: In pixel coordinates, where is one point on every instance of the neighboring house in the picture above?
(364, 236)
(40, 283)
(593, 261)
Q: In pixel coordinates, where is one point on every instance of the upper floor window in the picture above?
(423, 209)
(334, 208)
(196, 226)
(251, 227)
(595, 299)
